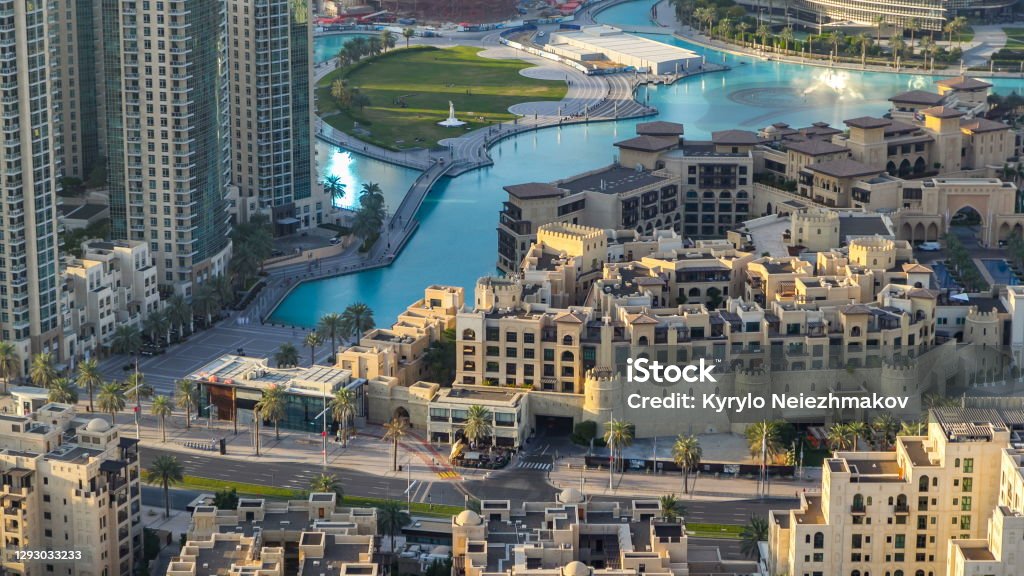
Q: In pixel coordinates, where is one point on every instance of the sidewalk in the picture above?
(567, 474)
(366, 452)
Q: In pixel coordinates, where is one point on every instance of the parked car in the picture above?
(929, 246)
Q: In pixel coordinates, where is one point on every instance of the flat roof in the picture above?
(606, 38)
(814, 147)
(659, 128)
(612, 180)
(533, 190)
(918, 97)
(843, 168)
(648, 143)
(863, 226)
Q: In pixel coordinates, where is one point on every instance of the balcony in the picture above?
(901, 509)
(858, 509)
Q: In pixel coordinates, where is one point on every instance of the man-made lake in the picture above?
(457, 240)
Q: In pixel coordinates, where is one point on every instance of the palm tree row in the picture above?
(371, 214)
(360, 47)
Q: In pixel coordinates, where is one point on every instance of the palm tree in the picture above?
(328, 483)
(741, 30)
(356, 319)
(165, 471)
(111, 399)
(90, 377)
(706, 14)
(765, 438)
(885, 426)
(331, 326)
(839, 437)
(179, 312)
(618, 434)
(912, 428)
(343, 407)
(155, 324)
(395, 430)
(287, 355)
(372, 198)
(126, 340)
(333, 185)
(686, 452)
(185, 397)
(897, 45)
(408, 33)
(763, 31)
(387, 40)
(312, 340)
(366, 225)
(272, 407)
(754, 532)
(786, 36)
(879, 20)
(205, 301)
(671, 508)
(42, 371)
(857, 431)
(914, 25)
(136, 388)
(161, 408)
(8, 362)
(391, 518)
(478, 424)
(62, 392)
(865, 42)
(956, 26)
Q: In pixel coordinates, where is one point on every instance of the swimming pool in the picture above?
(942, 276)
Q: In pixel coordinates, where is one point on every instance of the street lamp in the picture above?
(409, 484)
(323, 415)
(209, 415)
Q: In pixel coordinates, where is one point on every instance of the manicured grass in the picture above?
(274, 492)
(426, 78)
(700, 530)
(1014, 38)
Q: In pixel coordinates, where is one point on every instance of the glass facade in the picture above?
(300, 411)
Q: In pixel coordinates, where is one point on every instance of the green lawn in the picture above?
(1014, 38)
(425, 79)
(699, 530)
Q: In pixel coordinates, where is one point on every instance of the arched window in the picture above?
(956, 463)
(725, 195)
(741, 194)
(898, 572)
(709, 194)
(642, 341)
(694, 292)
(819, 540)
(567, 356)
(691, 193)
(468, 334)
(855, 331)
(855, 573)
(922, 484)
(567, 340)
(858, 501)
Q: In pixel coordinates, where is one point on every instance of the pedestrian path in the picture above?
(534, 465)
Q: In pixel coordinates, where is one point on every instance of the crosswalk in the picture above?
(448, 474)
(534, 465)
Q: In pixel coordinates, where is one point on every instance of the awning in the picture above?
(287, 221)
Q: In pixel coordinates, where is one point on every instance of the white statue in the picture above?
(452, 121)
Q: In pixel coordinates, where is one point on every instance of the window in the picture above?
(965, 504)
(968, 484)
(968, 465)
(819, 540)
(965, 522)
(901, 541)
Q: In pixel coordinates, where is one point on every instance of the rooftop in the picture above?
(843, 168)
(648, 143)
(964, 83)
(659, 128)
(611, 180)
(735, 138)
(942, 112)
(867, 122)
(533, 190)
(815, 147)
(918, 97)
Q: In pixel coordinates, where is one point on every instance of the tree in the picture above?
(165, 471)
(686, 452)
(786, 36)
(763, 31)
(333, 185)
(395, 430)
(706, 14)
(287, 355)
(226, 499)
(42, 371)
(343, 407)
(161, 408)
(618, 434)
(206, 301)
(272, 407)
(408, 33)
(478, 424)
(879, 20)
(8, 362)
(312, 340)
(90, 377)
(179, 312)
(765, 439)
(912, 428)
(857, 431)
(387, 40)
(897, 45)
(714, 297)
(671, 508)
(956, 26)
(741, 31)
(884, 428)
(754, 532)
(126, 340)
(185, 397)
(839, 437)
(356, 319)
(136, 388)
(155, 324)
(331, 326)
(328, 483)
(914, 25)
(62, 391)
(391, 517)
(864, 40)
(111, 399)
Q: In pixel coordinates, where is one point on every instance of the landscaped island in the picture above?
(395, 99)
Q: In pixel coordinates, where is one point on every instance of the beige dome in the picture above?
(97, 425)
(576, 568)
(467, 518)
(570, 496)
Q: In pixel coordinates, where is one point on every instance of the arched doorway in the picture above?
(401, 414)
(968, 225)
(919, 166)
(904, 167)
(891, 168)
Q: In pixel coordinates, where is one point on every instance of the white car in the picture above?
(929, 247)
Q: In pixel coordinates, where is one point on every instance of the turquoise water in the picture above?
(327, 47)
(1000, 271)
(457, 241)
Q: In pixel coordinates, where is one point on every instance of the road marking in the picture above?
(448, 474)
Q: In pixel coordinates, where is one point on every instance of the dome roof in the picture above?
(576, 568)
(570, 496)
(467, 518)
(97, 425)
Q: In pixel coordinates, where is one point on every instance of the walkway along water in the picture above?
(589, 99)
